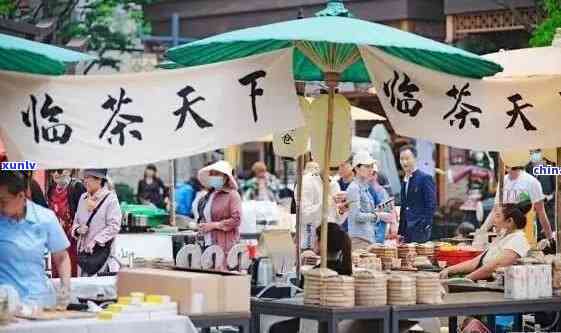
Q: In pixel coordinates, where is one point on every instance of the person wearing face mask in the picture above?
(418, 199)
(96, 223)
(27, 232)
(547, 182)
(63, 196)
(220, 210)
(510, 221)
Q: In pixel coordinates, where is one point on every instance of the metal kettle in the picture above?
(262, 271)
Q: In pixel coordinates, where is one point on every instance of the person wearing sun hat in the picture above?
(97, 221)
(220, 210)
(363, 220)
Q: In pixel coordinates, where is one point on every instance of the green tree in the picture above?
(545, 31)
(101, 23)
(6, 7)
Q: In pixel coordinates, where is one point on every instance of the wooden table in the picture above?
(328, 318)
(474, 303)
(236, 319)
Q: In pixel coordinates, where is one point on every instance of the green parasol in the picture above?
(22, 55)
(326, 48)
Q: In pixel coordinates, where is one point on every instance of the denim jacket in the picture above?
(362, 217)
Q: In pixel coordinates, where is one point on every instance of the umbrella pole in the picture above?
(557, 203)
(299, 172)
(331, 79)
(172, 170)
(501, 180)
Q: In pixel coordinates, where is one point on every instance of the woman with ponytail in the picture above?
(510, 221)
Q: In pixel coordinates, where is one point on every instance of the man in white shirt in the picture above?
(519, 183)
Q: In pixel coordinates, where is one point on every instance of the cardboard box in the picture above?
(194, 292)
(235, 293)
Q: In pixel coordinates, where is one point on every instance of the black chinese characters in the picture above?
(56, 132)
(287, 138)
(186, 108)
(408, 105)
(517, 112)
(252, 78)
(465, 108)
(122, 122)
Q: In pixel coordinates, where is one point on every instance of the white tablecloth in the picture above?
(174, 324)
(102, 287)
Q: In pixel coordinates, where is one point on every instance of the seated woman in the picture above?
(505, 250)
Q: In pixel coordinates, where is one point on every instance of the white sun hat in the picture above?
(363, 157)
(222, 167)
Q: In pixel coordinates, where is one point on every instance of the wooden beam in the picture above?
(450, 31)
(162, 11)
(21, 28)
(29, 30)
(407, 25)
(442, 164)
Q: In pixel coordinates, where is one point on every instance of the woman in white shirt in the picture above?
(505, 250)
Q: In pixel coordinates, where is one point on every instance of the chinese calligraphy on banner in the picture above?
(128, 119)
(494, 114)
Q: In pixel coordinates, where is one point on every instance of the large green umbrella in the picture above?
(22, 55)
(326, 48)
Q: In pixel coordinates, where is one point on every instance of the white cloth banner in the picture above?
(120, 120)
(489, 114)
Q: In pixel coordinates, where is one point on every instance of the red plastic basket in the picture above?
(453, 257)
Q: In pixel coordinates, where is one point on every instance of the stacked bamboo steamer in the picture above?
(324, 287)
(338, 291)
(407, 253)
(426, 250)
(402, 289)
(428, 288)
(370, 261)
(370, 288)
(388, 255)
(405, 250)
(314, 282)
(355, 257)
(556, 275)
(390, 252)
(377, 249)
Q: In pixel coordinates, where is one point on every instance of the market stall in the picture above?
(408, 85)
(389, 281)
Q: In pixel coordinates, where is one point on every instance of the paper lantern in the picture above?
(294, 143)
(342, 129)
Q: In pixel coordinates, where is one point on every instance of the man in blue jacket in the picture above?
(418, 199)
